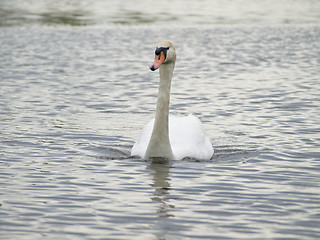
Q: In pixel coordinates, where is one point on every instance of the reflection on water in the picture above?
(161, 185)
(11, 15)
(83, 12)
(66, 18)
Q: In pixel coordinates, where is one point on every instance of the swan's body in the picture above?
(170, 137)
(186, 135)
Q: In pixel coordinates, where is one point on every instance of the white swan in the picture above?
(167, 136)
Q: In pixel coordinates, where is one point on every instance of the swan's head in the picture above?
(165, 54)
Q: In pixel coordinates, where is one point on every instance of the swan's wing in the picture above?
(188, 138)
(140, 147)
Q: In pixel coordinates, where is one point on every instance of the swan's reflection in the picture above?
(161, 184)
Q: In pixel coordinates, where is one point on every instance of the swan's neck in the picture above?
(159, 145)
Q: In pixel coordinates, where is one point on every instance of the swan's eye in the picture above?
(161, 49)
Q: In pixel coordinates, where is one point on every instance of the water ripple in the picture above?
(73, 101)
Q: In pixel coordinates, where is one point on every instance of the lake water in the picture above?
(75, 92)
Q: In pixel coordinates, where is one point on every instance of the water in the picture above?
(100, 12)
(74, 99)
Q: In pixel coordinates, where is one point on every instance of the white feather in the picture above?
(187, 139)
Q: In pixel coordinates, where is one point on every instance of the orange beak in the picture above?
(157, 61)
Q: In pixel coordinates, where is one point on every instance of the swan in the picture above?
(166, 136)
